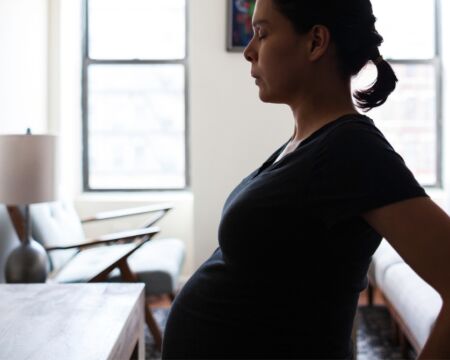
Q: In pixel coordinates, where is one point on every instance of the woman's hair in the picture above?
(352, 29)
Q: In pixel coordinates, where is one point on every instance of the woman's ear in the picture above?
(318, 41)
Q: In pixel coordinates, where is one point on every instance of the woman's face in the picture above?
(277, 54)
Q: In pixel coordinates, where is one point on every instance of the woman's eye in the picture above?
(259, 33)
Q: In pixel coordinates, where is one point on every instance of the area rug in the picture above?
(374, 337)
(160, 315)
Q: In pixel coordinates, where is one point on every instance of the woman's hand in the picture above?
(419, 230)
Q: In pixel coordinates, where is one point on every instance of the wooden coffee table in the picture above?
(72, 321)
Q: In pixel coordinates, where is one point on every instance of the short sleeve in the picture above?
(356, 170)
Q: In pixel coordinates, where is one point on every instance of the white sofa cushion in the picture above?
(382, 259)
(417, 303)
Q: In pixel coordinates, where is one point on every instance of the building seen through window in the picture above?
(134, 101)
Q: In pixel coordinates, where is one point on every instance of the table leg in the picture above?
(139, 349)
(128, 275)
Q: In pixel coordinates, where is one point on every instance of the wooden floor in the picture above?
(160, 301)
(377, 298)
(164, 301)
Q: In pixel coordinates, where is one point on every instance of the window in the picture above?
(134, 95)
(411, 119)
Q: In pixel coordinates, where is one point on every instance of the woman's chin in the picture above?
(263, 95)
(268, 98)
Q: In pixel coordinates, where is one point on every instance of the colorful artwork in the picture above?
(240, 23)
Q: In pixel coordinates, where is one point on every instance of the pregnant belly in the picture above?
(219, 313)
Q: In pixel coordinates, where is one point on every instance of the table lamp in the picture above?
(27, 176)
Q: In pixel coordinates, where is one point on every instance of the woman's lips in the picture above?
(257, 79)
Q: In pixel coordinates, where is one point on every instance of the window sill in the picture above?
(153, 196)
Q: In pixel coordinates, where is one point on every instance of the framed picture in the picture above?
(239, 28)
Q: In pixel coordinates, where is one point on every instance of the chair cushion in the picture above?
(417, 303)
(384, 257)
(57, 223)
(158, 264)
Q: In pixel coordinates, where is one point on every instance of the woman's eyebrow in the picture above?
(259, 22)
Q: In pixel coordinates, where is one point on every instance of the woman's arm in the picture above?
(419, 230)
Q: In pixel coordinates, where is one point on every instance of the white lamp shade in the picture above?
(27, 169)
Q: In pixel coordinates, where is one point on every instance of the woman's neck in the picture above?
(310, 114)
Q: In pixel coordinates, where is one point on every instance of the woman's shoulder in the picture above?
(355, 130)
(353, 121)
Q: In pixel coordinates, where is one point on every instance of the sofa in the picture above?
(413, 304)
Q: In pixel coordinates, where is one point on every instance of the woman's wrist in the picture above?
(437, 345)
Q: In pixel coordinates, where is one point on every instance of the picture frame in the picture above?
(239, 24)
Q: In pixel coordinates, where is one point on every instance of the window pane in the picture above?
(407, 27)
(136, 126)
(408, 118)
(137, 29)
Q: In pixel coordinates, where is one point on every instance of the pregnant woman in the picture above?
(297, 234)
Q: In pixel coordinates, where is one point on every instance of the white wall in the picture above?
(23, 66)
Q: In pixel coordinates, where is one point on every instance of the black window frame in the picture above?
(87, 61)
(436, 62)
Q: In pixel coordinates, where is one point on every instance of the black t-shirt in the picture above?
(293, 251)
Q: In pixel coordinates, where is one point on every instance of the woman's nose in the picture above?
(249, 53)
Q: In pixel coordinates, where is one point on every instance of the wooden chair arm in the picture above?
(119, 262)
(101, 263)
(114, 214)
(110, 238)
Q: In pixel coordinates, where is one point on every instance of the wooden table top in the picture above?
(71, 321)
